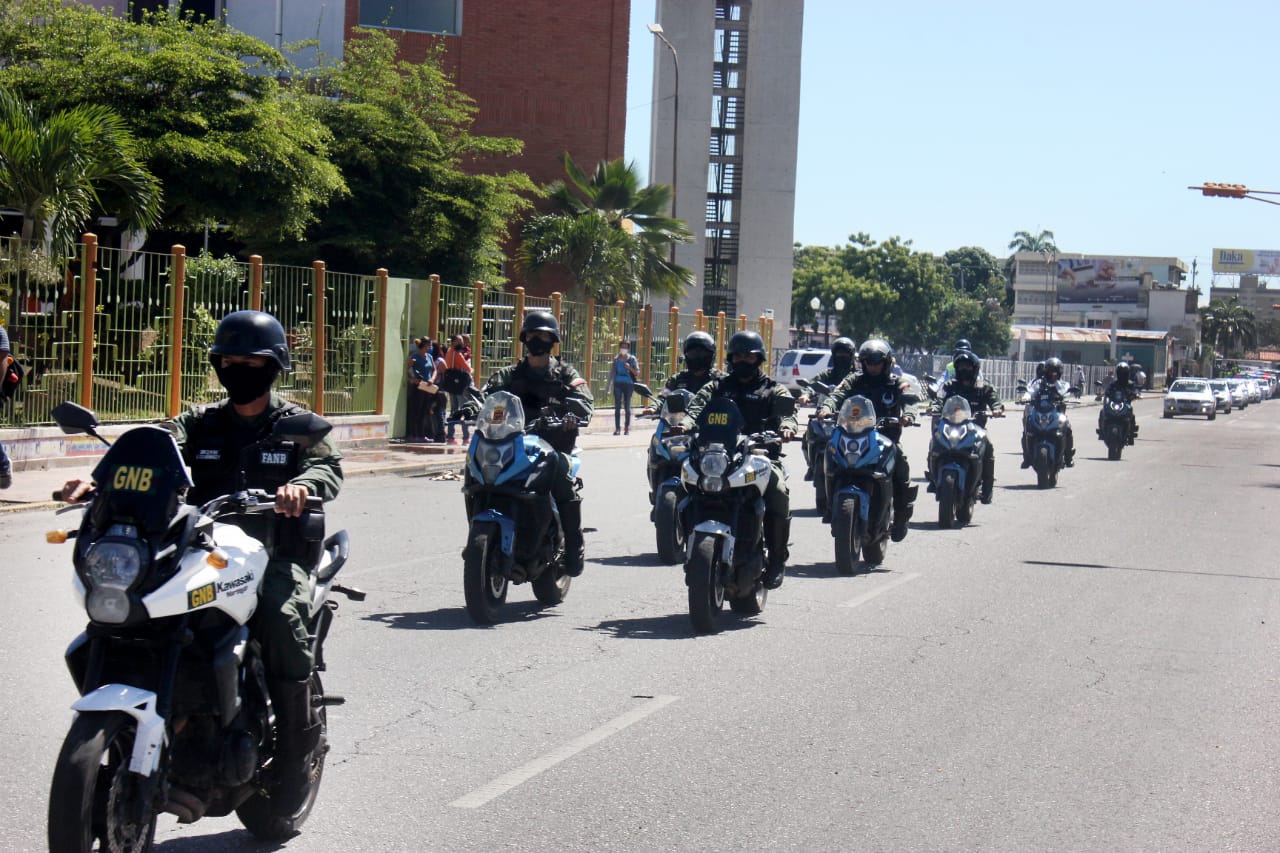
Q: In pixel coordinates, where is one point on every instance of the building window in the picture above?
(424, 16)
(198, 10)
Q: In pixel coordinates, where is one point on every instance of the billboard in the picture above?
(1093, 281)
(1246, 261)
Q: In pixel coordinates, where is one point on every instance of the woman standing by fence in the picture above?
(623, 373)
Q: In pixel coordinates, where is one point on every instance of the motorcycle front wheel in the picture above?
(256, 813)
(94, 797)
(706, 593)
(484, 586)
(820, 497)
(843, 519)
(1115, 443)
(947, 495)
(666, 520)
(1044, 469)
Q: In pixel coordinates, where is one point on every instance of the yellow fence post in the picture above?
(255, 282)
(477, 333)
(517, 319)
(433, 308)
(742, 322)
(317, 337)
(768, 351)
(88, 306)
(720, 342)
(768, 338)
(620, 307)
(646, 341)
(699, 321)
(588, 356)
(178, 281)
(380, 335)
(673, 346)
(557, 299)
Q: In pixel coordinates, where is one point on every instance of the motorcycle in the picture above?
(816, 437)
(668, 449)
(726, 475)
(514, 526)
(1043, 433)
(959, 445)
(860, 460)
(174, 713)
(1117, 419)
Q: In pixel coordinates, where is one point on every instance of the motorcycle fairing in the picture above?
(506, 527)
(139, 704)
(713, 528)
(198, 586)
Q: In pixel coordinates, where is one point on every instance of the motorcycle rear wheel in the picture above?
(666, 519)
(873, 550)
(706, 593)
(947, 501)
(751, 604)
(552, 586)
(92, 790)
(842, 526)
(257, 814)
(485, 589)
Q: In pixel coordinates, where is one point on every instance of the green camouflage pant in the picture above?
(280, 623)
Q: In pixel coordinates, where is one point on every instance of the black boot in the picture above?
(571, 523)
(777, 534)
(297, 737)
(984, 494)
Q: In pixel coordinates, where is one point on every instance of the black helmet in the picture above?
(1053, 365)
(744, 342)
(969, 362)
(843, 345)
(250, 333)
(700, 340)
(1122, 371)
(875, 351)
(964, 344)
(540, 321)
(1040, 370)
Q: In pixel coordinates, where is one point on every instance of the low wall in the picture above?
(39, 448)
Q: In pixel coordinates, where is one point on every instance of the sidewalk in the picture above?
(34, 489)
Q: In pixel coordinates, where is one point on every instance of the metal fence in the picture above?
(132, 346)
(1004, 374)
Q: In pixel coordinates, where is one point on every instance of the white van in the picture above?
(800, 364)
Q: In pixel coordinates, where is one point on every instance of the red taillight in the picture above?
(795, 371)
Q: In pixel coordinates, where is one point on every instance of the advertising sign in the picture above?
(1091, 281)
(1246, 261)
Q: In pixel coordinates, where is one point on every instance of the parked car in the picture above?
(800, 364)
(1222, 392)
(1239, 393)
(1255, 392)
(1191, 397)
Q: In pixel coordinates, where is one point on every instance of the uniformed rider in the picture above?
(218, 442)
(983, 401)
(1124, 385)
(842, 352)
(541, 381)
(1049, 375)
(765, 406)
(699, 352)
(893, 397)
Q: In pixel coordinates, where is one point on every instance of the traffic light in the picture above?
(1224, 190)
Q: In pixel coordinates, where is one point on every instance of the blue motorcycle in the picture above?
(668, 449)
(515, 534)
(817, 436)
(859, 464)
(959, 446)
(1043, 434)
(1116, 423)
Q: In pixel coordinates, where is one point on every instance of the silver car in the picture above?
(1222, 393)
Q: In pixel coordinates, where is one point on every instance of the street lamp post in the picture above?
(656, 29)
(816, 304)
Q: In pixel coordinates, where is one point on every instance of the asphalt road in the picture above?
(1092, 667)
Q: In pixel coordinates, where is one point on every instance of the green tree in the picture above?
(617, 265)
(401, 138)
(59, 171)
(975, 272)
(1228, 326)
(227, 141)
(818, 271)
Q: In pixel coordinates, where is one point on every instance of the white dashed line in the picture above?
(507, 781)
(885, 587)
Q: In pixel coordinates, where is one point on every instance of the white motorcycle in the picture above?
(174, 714)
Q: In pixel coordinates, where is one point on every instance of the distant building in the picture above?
(740, 65)
(1253, 294)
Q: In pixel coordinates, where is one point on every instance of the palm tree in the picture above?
(59, 171)
(1042, 243)
(1226, 323)
(601, 258)
(613, 198)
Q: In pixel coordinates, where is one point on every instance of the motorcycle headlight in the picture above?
(673, 418)
(108, 604)
(954, 433)
(714, 463)
(854, 448)
(711, 484)
(113, 564)
(492, 457)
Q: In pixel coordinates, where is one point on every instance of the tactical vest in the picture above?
(535, 390)
(219, 446)
(755, 401)
(687, 381)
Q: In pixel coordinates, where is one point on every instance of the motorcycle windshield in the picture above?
(501, 416)
(719, 423)
(857, 415)
(140, 477)
(956, 410)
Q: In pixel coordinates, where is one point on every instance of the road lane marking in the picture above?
(885, 587)
(507, 781)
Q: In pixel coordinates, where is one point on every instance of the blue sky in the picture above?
(954, 124)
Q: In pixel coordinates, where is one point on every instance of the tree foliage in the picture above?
(911, 298)
(226, 140)
(1228, 326)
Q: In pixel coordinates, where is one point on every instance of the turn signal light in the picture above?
(55, 537)
(217, 559)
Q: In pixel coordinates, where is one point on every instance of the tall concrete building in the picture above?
(735, 175)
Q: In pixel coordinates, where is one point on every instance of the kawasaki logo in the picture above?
(235, 584)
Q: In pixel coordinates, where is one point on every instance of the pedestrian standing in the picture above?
(1080, 378)
(458, 361)
(439, 400)
(421, 372)
(10, 377)
(623, 374)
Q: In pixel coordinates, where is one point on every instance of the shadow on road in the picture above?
(628, 560)
(1022, 487)
(456, 618)
(827, 570)
(232, 839)
(673, 626)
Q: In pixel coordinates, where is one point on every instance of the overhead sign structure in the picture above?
(1246, 261)
(1099, 281)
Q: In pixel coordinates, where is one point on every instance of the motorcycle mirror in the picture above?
(644, 390)
(1022, 384)
(789, 407)
(803, 383)
(678, 402)
(579, 408)
(74, 419)
(305, 428)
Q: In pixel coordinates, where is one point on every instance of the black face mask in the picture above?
(245, 383)
(537, 346)
(745, 370)
(698, 359)
(842, 362)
